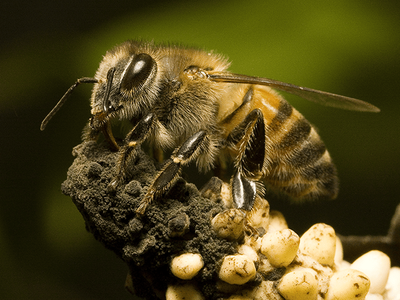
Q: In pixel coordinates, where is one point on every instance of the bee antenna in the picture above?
(64, 98)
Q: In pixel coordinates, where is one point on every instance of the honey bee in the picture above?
(186, 99)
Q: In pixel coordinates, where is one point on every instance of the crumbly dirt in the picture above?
(148, 243)
(145, 242)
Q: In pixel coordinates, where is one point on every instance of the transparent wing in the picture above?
(324, 98)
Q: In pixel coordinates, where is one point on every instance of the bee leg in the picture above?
(172, 168)
(107, 132)
(249, 136)
(133, 139)
(244, 191)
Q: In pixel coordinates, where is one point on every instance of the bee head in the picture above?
(128, 89)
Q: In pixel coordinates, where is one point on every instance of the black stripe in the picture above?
(284, 112)
(297, 134)
(308, 154)
(321, 171)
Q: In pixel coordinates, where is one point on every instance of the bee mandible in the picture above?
(186, 99)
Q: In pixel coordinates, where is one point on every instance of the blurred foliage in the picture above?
(350, 48)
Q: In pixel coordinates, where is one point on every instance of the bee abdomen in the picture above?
(299, 164)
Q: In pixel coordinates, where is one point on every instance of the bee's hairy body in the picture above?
(186, 98)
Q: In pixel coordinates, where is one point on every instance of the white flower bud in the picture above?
(280, 247)
(187, 265)
(376, 266)
(298, 285)
(229, 224)
(237, 269)
(348, 284)
(319, 242)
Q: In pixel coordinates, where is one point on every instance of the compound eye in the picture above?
(138, 71)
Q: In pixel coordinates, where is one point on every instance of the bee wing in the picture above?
(324, 98)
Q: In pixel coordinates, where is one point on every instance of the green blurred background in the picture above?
(346, 47)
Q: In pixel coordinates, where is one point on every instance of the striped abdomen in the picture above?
(297, 162)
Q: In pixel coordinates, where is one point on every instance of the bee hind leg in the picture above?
(249, 137)
(244, 191)
(169, 173)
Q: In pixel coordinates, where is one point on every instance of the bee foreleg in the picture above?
(133, 139)
(168, 175)
(249, 138)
